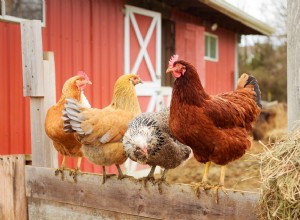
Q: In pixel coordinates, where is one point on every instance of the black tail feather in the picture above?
(252, 81)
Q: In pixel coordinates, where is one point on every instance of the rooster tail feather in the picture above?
(249, 81)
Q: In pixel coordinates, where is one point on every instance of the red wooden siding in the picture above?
(217, 76)
(220, 74)
(86, 35)
(189, 45)
(14, 110)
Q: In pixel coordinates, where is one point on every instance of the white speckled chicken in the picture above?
(148, 140)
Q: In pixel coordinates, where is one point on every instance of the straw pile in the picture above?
(280, 173)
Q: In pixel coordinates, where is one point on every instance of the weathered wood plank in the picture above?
(32, 58)
(293, 64)
(50, 154)
(43, 152)
(13, 202)
(46, 209)
(40, 156)
(131, 197)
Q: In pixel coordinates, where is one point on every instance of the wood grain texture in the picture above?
(131, 197)
(49, 210)
(32, 58)
(293, 64)
(13, 202)
(50, 158)
(43, 152)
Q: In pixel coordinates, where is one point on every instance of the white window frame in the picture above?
(9, 18)
(217, 47)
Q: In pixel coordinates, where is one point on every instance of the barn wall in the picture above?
(217, 76)
(220, 74)
(14, 110)
(84, 35)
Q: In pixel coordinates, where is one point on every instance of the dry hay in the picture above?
(280, 175)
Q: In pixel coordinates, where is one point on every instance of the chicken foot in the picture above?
(162, 180)
(121, 175)
(220, 185)
(204, 183)
(149, 177)
(75, 172)
(105, 175)
(61, 169)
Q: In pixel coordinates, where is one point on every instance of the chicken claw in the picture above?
(76, 170)
(204, 185)
(61, 169)
(121, 175)
(149, 178)
(216, 189)
(105, 176)
(61, 172)
(74, 173)
(162, 180)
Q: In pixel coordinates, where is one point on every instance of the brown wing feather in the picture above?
(237, 108)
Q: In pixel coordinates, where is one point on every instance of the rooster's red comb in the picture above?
(83, 74)
(173, 59)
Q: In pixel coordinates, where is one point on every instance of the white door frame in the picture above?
(149, 88)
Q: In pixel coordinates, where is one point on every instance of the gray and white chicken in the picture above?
(148, 140)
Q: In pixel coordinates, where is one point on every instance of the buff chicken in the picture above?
(101, 130)
(65, 143)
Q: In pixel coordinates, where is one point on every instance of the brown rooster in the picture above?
(66, 144)
(101, 130)
(217, 125)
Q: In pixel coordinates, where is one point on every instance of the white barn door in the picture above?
(142, 55)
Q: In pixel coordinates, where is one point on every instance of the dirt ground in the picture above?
(242, 174)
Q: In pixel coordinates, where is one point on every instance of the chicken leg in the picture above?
(204, 183)
(61, 169)
(121, 175)
(76, 170)
(149, 177)
(221, 184)
(162, 180)
(105, 175)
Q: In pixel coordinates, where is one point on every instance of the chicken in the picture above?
(66, 144)
(101, 130)
(148, 140)
(216, 126)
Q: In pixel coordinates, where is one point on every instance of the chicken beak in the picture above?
(140, 81)
(170, 69)
(89, 82)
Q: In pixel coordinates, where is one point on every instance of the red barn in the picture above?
(107, 38)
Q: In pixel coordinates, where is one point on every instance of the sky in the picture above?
(260, 9)
(265, 11)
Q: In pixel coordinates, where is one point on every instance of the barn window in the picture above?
(211, 47)
(18, 10)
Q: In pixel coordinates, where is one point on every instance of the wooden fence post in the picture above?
(13, 203)
(39, 85)
(293, 64)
